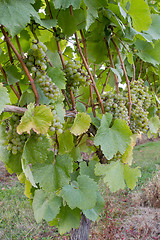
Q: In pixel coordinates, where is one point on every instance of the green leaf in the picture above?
(88, 170)
(14, 15)
(97, 51)
(38, 118)
(54, 175)
(154, 30)
(57, 76)
(131, 176)
(147, 52)
(140, 13)
(13, 163)
(65, 142)
(4, 97)
(112, 139)
(54, 58)
(67, 22)
(81, 194)
(67, 3)
(45, 205)
(27, 97)
(36, 150)
(81, 124)
(113, 175)
(154, 124)
(68, 219)
(93, 213)
(13, 75)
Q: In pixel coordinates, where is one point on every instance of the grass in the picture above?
(147, 157)
(16, 216)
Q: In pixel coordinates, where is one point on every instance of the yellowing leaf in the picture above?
(38, 118)
(81, 124)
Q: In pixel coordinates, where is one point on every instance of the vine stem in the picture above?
(12, 62)
(23, 65)
(19, 46)
(89, 72)
(15, 109)
(126, 77)
(11, 86)
(84, 45)
(104, 85)
(112, 65)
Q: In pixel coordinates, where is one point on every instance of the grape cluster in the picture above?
(15, 142)
(75, 75)
(37, 63)
(115, 105)
(141, 101)
(56, 125)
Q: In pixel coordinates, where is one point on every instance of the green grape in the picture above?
(115, 105)
(141, 101)
(38, 65)
(15, 141)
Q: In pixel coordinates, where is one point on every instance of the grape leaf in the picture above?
(93, 213)
(68, 219)
(113, 175)
(54, 175)
(67, 22)
(127, 157)
(65, 142)
(140, 13)
(27, 97)
(14, 15)
(154, 30)
(38, 118)
(4, 97)
(45, 205)
(81, 124)
(67, 3)
(114, 139)
(154, 124)
(57, 76)
(13, 75)
(147, 52)
(88, 170)
(81, 194)
(131, 176)
(28, 187)
(36, 150)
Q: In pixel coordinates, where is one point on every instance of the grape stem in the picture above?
(11, 86)
(104, 85)
(126, 77)
(19, 46)
(140, 70)
(112, 65)
(23, 65)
